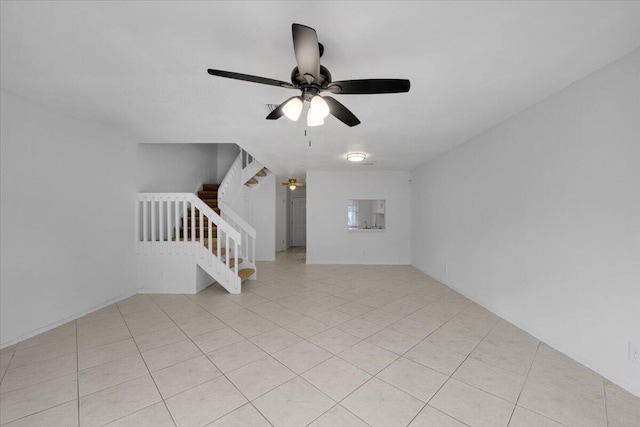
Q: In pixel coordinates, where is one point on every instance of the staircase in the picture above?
(175, 232)
(189, 229)
(209, 195)
(255, 179)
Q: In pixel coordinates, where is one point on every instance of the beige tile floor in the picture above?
(305, 345)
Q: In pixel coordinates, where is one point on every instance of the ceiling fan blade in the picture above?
(369, 86)
(299, 184)
(279, 110)
(341, 112)
(307, 50)
(250, 78)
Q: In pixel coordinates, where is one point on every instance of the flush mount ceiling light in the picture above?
(312, 78)
(356, 157)
(293, 183)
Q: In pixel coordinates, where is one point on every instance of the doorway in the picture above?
(298, 217)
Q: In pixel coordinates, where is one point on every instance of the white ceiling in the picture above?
(142, 67)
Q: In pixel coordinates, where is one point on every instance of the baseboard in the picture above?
(67, 319)
(341, 262)
(163, 291)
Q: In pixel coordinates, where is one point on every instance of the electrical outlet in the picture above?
(634, 352)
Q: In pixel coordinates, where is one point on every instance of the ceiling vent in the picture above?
(367, 164)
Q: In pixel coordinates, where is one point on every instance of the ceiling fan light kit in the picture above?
(311, 79)
(293, 108)
(356, 157)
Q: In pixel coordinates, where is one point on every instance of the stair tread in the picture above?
(210, 187)
(252, 181)
(232, 262)
(208, 194)
(205, 243)
(261, 172)
(245, 273)
(216, 210)
(214, 233)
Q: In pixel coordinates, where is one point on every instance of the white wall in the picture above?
(175, 274)
(329, 241)
(263, 217)
(538, 220)
(176, 168)
(226, 153)
(67, 217)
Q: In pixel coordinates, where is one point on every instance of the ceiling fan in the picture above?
(311, 79)
(293, 183)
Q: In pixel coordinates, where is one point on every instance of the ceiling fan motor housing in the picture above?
(322, 81)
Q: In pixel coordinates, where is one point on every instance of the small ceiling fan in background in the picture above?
(293, 183)
(312, 78)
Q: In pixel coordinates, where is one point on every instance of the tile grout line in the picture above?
(606, 409)
(328, 410)
(334, 355)
(361, 340)
(40, 382)
(77, 370)
(297, 375)
(13, 353)
(37, 412)
(44, 381)
(146, 366)
(216, 366)
(375, 376)
(455, 370)
(525, 383)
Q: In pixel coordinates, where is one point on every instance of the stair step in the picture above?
(215, 209)
(205, 241)
(232, 262)
(189, 232)
(210, 187)
(212, 203)
(208, 194)
(205, 223)
(252, 181)
(261, 172)
(245, 273)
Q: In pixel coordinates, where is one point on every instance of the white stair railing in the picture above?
(158, 231)
(231, 185)
(247, 232)
(230, 195)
